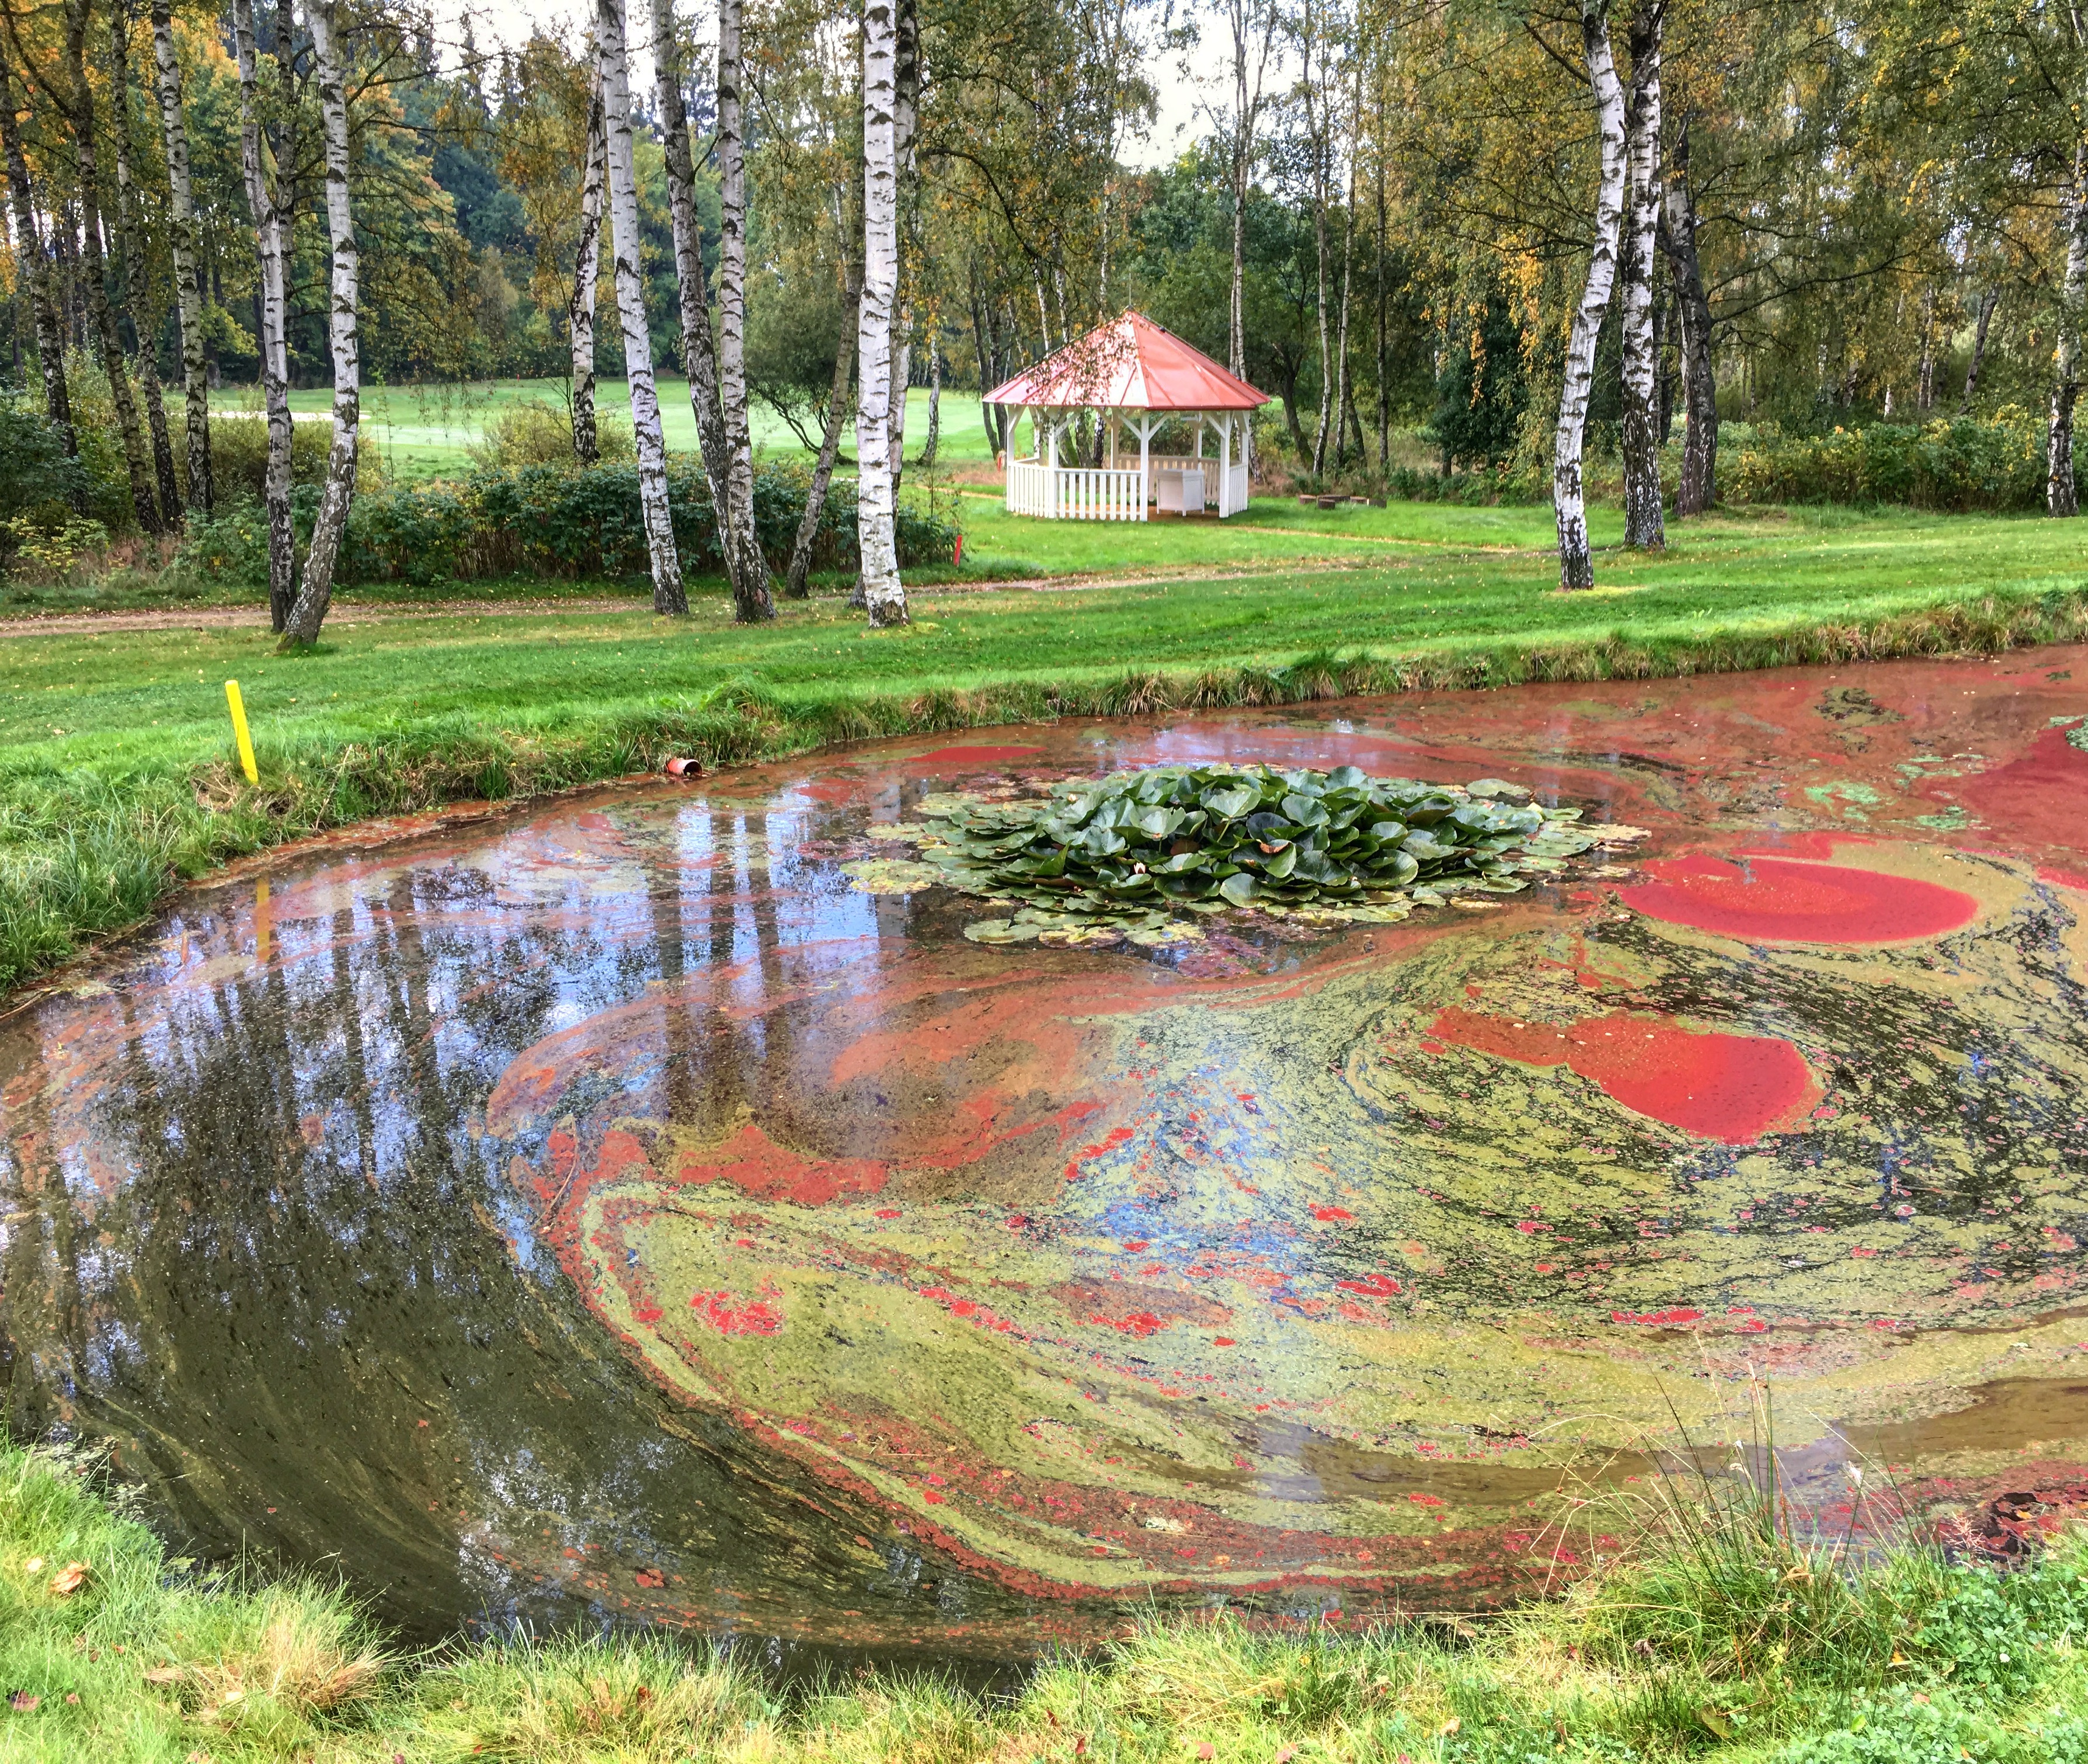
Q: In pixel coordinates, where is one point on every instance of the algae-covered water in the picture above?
(615, 1211)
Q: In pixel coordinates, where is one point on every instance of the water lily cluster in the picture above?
(1143, 854)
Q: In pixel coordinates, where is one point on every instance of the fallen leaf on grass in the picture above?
(1207, 1750)
(34, 1565)
(1449, 1728)
(23, 1702)
(69, 1579)
(1718, 1721)
(164, 1675)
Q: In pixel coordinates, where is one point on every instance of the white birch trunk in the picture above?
(905, 138)
(268, 228)
(732, 299)
(1577, 563)
(2061, 495)
(315, 592)
(669, 596)
(738, 544)
(181, 243)
(35, 272)
(884, 594)
(144, 322)
(1643, 522)
(587, 262)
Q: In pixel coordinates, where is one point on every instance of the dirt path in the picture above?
(254, 614)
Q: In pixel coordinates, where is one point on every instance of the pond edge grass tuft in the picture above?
(154, 1658)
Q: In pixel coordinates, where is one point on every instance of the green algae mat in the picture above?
(666, 1203)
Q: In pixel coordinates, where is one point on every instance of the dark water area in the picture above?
(623, 1211)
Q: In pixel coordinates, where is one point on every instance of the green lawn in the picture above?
(423, 431)
(1399, 583)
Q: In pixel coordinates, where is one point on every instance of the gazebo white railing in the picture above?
(1173, 483)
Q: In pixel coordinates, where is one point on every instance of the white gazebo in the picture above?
(1135, 377)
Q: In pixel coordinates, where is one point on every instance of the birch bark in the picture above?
(1643, 523)
(315, 593)
(202, 491)
(1343, 401)
(1318, 130)
(738, 543)
(1577, 563)
(1987, 302)
(752, 599)
(670, 598)
(1698, 488)
(145, 318)
(579, 309)
(94, 271)
(263, 198)
(2061, 495)
(35, 272)
(884, 596)
(905, 134)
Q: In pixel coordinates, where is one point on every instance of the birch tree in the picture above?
(2062, 498)
(267, 200)
(1642, 355)
(737, 541)
(76, 103)
(315, 593)
(670, 598)
(201, 492)
(132, 268)
(1252, 26)
(749, 569)
(579, 311)
(884, 594)
(1698, 487)
(1577, 565)
(906, 138)
(34, 268)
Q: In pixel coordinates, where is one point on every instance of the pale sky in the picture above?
(1181, 89)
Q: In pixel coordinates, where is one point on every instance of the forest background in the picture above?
(1863, 224)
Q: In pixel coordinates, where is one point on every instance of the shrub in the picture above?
(562, 520)
(239, 455)
(1957, 464)
(531, 432)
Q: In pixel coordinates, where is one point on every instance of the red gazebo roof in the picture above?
(1130, 364)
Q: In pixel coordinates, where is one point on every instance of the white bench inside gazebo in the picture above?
(1134, 379)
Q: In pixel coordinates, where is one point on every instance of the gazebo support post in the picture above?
(1224, 466)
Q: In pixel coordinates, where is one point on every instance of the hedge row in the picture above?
(554, 520)
(1958, 465)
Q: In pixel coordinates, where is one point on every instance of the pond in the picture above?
(612, 1211)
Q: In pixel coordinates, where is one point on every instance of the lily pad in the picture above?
(1143, 854)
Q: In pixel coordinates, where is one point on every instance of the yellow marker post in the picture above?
(240, 732)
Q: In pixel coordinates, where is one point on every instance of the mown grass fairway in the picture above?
(428, 431)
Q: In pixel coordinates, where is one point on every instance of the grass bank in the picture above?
(1712, 1635)
(115, 765)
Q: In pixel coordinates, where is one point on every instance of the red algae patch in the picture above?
(1776, 900)
(1731, 1088)
(2035, 798)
